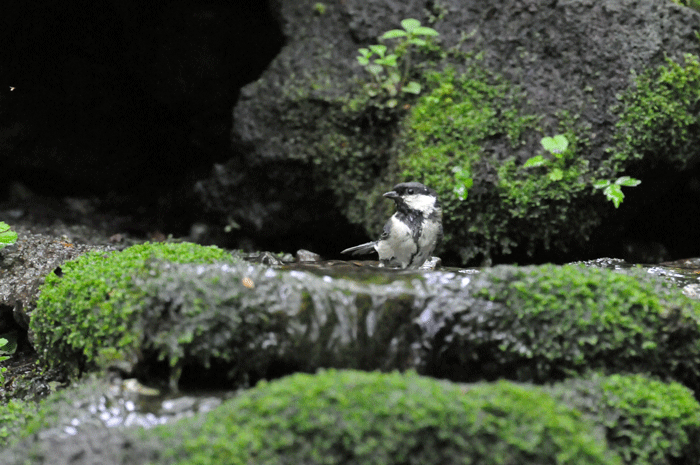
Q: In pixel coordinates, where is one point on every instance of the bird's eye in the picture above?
(409, 191)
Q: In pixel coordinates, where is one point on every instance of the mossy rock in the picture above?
(86, 311)
(350, 417)
(235, 324)
(659, 117)
(646, 421)
(543, 323)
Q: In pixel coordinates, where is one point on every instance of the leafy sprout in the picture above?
(391, 71)
(557, 146)
(463, 182)
(7, 236)
(613, 190)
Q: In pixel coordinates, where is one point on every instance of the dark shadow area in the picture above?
(127, 101)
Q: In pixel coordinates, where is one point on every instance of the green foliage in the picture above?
(541, 323)
(89, 305)
(3, 343)
(7, 347)
(646, 421)
(463, 182)
(7, 236)
(660, 117)
(558, 145)
(14, 417)
(694, 4)
(613, 190)
(354, 417)
(657, 421)
(446, 126)
(320, 8)
(392, 72)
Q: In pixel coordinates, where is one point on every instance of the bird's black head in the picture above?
(414, 196)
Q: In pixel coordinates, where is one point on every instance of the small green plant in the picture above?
(7, 236)
(695, 4)
(391, 72)
(320, 8)
(558, 146)
(613, 189)
(3, 342)
(463, 182)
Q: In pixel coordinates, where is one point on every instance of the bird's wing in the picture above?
(386, 231)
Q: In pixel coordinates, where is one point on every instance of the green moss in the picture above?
(354, 417)
(87, 307)
(447, 126)
(694, 4)
(547, 322)
(646, 421)
(660, 117)
(666, 419)
(14, 417)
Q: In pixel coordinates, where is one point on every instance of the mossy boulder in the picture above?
(549, 322)
(646, 421)
(224, 322)
(238, 323)
(350, 417)
(85, 313)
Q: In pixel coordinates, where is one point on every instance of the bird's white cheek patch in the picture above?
(420, 202)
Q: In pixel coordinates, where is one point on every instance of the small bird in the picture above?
(411, 234)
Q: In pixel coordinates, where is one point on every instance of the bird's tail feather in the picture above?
(361, 249)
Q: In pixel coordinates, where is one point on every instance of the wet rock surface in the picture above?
(23, 267)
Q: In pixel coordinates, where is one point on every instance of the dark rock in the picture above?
(23, 267)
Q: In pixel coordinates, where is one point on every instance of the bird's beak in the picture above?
(391, 195)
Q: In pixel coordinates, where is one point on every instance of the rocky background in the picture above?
(183, 113)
